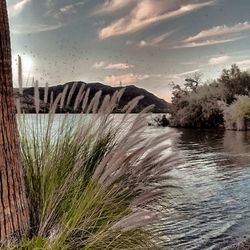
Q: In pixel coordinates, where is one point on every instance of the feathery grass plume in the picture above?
(64, 93)
(20, 75)
(79, 97)
(93, 183)
(18, 105)
(20, 84)
(85, 100)
(36, 97)
(46, 93)
(94, 103)
(71, 92)
(33, 82)
(51, 99)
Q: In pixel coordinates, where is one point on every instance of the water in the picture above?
(212, 208)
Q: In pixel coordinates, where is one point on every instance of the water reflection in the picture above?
(237, 145)
(212, 209)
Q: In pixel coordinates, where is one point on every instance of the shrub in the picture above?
(236, 114)
(234, 82)
(199, 108)
(196, 105)
(93, 183)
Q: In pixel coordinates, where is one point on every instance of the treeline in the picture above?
(224, 102)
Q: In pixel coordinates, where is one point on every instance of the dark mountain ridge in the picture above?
(131, 91)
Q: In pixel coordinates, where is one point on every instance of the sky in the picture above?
(148, 43)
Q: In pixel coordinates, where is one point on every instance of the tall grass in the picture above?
(92, 183)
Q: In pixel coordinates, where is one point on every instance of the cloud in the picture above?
(118, 66)
(17, 8)
(216, 35)
(57, 10)
(220, 31)
(180, 76)
(154, 42)
(188, 63)
(218, 60)
(36, 28)
(125, 79)
(71, 7)
(49, 17)
(148, 12)
(206, 43)
(143, 43)
(186, 73)
(99, 65)
(113, 5)
(244, 64)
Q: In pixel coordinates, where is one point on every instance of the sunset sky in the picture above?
(148, 43)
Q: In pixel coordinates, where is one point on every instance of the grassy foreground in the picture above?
(92, 183)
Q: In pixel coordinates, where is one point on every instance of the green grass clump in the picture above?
(92, 183)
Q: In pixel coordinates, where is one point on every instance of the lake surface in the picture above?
(211, 210)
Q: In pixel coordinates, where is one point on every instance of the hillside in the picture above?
(161, 106)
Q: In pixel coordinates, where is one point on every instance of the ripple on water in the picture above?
(212, 208)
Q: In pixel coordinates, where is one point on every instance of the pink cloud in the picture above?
(147, 13)
(215, 35)
(118, 66)
(206, 43)
(218, 31)
(125, 79)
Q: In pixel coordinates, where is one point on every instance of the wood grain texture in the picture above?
(14, 214)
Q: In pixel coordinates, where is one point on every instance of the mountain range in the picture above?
(131, 91)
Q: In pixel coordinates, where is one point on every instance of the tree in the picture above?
(234, 82)
(180, 95)
(196, 105)
(237, 114)
(14, 214)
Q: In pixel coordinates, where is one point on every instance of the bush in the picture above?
(234, 82)
(199, 108)
(236, 114)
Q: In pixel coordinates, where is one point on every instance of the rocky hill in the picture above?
(27, 103)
